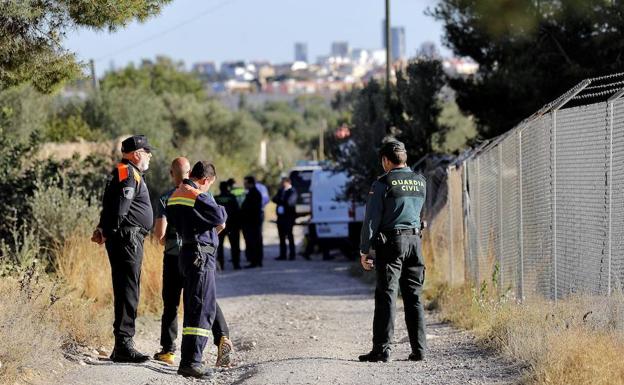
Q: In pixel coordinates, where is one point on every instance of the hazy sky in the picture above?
(219, 30)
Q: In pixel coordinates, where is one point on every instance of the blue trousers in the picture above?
(200, 303)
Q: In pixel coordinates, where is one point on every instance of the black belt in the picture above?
(412, 231)
(209, 249)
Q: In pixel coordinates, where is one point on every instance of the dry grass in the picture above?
(38, 321)
(579, 341)
(84, 267)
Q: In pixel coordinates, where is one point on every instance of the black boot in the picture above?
(373, 356)
(416, 357)
(197, 371)
(125, 352)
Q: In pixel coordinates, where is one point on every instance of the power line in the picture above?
(168, 30)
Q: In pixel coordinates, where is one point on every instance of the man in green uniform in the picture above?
(391, 226)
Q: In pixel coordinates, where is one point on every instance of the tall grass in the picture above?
(39, 320)
(42, 318)
(578, 341)
(84, 267)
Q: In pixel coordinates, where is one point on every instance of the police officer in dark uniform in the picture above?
(253, 214)
(198, 219)
(125, 220)
(286, 202)
(391, 226)
(173, 282)
(232, 229)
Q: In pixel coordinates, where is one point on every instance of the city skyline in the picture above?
(211, 31)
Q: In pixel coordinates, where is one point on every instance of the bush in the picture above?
(38, 321)
(20, 249)
(58, 213)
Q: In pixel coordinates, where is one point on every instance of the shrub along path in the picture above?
(305, 322)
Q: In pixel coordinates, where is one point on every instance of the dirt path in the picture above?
(305, 322)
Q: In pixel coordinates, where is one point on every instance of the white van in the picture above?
(336, 221)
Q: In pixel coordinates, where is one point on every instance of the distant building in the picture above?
(397, 39)
(322, 60)
(340, 49)
(460, 66)
(301, 52)
(360, 56)
(205, 68)
(233, 69)
(398, 43)
(429, 50)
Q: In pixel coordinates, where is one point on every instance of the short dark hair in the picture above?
(394, 151)
(250, 179)
(286, 179)
(224, 187)
(203, 169)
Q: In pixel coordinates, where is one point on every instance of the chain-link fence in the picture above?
(540, 210)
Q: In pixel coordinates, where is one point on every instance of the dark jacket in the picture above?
(286, 201)
(251, 209)
(394, 202)
(126, 201)
(228, 200)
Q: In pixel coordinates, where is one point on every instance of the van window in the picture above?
(301, 180)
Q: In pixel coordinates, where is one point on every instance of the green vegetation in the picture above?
(461, 129)
(156, 98)
(32, 32)
(416, 114)
(529, 52)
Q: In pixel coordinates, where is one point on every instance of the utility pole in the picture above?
(94, 80)
(321, 150)
(388, 51)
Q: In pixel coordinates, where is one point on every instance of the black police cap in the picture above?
(135, 142)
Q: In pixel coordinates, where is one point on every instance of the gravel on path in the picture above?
(305, 322)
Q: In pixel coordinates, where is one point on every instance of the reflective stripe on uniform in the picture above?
(181, 201)
(188, 331)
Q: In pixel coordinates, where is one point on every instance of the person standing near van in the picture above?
(392, 226)
(251, 223)
(286, 201)
(232, 227)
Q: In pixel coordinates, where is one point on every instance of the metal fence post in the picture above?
(553, 134)
(520, 215)
(466, 240)
(449, 203)
(500, 218)
(478, 218)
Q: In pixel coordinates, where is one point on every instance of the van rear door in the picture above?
(301, 180)
(330, 214)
